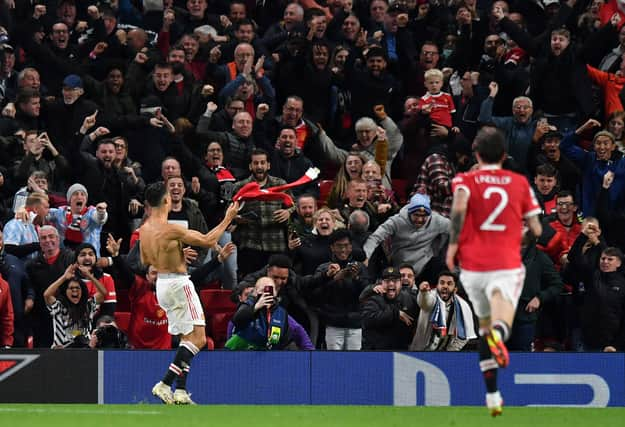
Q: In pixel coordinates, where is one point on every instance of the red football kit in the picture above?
(442, 107)
(499, 200)
(148, 321)
(109, 284)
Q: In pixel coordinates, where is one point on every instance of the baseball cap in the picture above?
(550, 2)
(419, 202)
(391, 273)
(72, 82)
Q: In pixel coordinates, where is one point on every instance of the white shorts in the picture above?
(480, 286)
(177, 296)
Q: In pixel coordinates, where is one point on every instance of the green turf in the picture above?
(299, 416)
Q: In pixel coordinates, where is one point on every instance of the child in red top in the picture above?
(438, 105)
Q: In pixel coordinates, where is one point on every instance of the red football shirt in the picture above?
(148, 321)
(109, 284)
(442, 107)
(499, 200)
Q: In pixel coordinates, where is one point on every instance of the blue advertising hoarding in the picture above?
(370, 378)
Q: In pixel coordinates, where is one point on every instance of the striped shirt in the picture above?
(64, 329)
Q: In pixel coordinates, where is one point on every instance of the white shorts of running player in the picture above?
(480, 286)
(177, 296)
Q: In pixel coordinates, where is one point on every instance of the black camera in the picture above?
(110, 337)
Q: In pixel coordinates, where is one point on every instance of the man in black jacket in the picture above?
(104, 182)
(602, 292)
(344, 281)
(542, 285)
(51, 263)
(290, 164)
(388, 318)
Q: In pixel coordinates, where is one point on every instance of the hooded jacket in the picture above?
(409, 244)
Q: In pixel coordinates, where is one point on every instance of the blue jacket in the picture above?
(518, 135)
(593, 171)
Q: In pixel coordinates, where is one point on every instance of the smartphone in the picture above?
(268, 290)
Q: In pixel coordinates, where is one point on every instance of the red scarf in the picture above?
(252, 191)
(73, 232)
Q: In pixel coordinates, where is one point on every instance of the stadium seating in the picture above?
(215, 284)
(218, 310)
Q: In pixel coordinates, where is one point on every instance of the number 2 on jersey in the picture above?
(489, 224)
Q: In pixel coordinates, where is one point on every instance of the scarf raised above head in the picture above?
(252, 191)
(439, 320)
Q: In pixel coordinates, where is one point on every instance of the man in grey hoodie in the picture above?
(418, 237)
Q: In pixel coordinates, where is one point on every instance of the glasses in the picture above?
(565, 204)
(429, 52)
(120, 145)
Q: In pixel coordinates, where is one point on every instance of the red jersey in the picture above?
(109, 284)
(491, 235)
(148, 321)
(442, 107)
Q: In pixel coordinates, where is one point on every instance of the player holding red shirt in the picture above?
(487, 216)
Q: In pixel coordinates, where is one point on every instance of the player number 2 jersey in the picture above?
(491, 235)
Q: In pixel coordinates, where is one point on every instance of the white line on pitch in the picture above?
(102, 411)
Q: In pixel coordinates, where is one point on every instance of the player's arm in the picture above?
(456, 221)
(458, 213)
(533, 223)
(208, 240)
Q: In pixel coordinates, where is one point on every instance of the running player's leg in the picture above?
(502, 315)
(503, 294)
(475, 284)
(488, 367)
(186, 318)
(190, 345)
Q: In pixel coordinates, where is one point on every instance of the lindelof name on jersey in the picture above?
(492, 179)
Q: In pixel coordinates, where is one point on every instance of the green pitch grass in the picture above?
(299, 416)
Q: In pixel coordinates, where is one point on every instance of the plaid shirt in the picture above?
(435, 180)
(262, 233)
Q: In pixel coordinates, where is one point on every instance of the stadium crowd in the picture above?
(101, 98)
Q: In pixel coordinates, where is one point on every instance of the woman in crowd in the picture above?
(71, 308)
(351, 169)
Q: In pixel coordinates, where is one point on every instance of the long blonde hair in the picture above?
(339, 188)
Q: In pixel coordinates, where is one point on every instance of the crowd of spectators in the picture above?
(100, 98)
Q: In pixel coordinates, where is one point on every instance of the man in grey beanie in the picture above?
(417, 234)
(78, 222)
